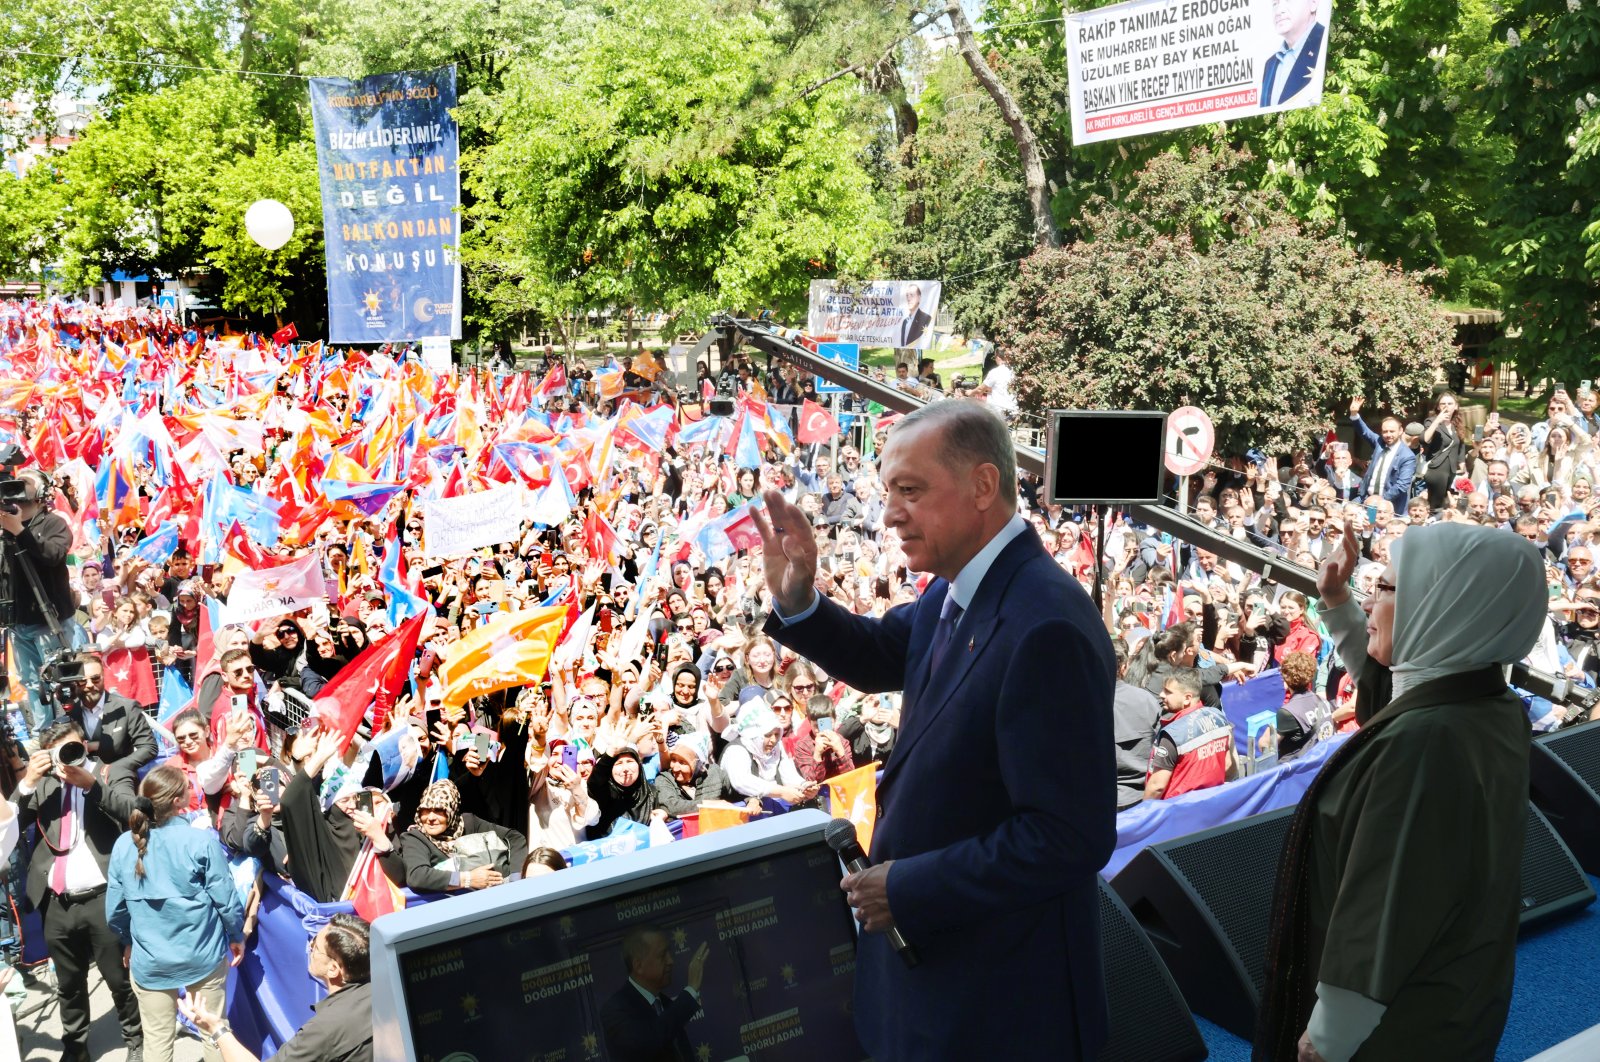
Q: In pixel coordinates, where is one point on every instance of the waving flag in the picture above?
(816, 424)
(276, 591)
(650, 428)
(370, 683)
(128, 672)
(404, 590)
(513, 649)
(159, 547)
(226, 505)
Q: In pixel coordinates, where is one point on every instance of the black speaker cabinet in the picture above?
(1150, 1022)
(1205, 900)
(1564, 768)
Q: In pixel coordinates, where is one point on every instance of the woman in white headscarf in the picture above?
(755, 761)
(1394, 926)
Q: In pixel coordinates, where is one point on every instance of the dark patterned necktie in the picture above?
(949, 616)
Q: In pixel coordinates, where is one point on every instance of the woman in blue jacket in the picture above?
(170, 900)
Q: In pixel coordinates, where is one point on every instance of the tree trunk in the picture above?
(884, 79)
(1045, 233)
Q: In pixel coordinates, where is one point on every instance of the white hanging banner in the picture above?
(1149, 65)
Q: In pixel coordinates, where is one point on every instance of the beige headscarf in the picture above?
(1467, 597)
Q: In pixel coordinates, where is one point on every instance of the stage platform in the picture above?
(1550, 1003)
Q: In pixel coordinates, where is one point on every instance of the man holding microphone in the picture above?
(1002, 653)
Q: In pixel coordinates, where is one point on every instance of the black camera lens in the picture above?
(71, 753)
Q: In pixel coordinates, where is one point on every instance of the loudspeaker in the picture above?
(1205, 901)
(1150, 1022)
(1564, 769)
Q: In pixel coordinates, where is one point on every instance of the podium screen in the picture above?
(777, 982)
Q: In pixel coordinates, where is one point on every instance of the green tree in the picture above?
(969, 199)
(1195, 288)
(1399, 156)
(617, 175)
(1542, 98)
(161, 185)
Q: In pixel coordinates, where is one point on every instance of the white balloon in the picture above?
(269, 223)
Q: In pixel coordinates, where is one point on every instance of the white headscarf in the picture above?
(1466, 597)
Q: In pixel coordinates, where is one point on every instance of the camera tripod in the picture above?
(54, 666)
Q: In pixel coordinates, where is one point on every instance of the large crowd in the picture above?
(211, 752)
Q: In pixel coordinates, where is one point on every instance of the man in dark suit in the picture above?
(79, 821)
(916, 320)
(1393, 464)
(113, 726)
(997, 807)
(642, 1022)
(1289, 70)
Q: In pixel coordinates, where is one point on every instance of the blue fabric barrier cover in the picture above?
(270, 992)
(1153, 821)
(1241, 700)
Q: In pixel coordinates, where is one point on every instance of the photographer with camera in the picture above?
(39, 539)
(79, 822)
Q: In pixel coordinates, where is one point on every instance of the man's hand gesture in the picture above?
(697, 967)
(789, 551)
(1355, 405)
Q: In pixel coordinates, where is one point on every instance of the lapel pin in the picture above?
(970, 643)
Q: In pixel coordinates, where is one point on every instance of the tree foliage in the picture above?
(1197, 288)
(1542, 98)
(618, 174)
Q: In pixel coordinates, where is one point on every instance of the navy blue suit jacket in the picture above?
(1397, 484)
(998, 806)
(1300, 73)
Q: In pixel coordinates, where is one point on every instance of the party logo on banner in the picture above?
(387, 157)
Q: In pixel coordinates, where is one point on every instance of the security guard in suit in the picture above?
(79, 822)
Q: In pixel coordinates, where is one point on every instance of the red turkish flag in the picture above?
(128, 672)
(816, 424)
(286, 335)
(370, 682)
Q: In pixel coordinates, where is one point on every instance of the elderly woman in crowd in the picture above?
(690, 780)
(619, 787)
(756, 762)
(446, 849)
(1395, 922)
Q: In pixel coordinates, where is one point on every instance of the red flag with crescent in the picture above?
(816, 424)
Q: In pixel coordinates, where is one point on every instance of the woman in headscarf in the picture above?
(1394, 925)
(447, 849)
(618, 786)
(690, 780)
(755, 761)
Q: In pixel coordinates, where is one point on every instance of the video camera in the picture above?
(60, 678)
(13, 491)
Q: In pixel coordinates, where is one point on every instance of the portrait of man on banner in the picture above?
(914, 320)
(1297, 61)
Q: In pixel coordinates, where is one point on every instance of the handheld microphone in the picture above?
(841, 837)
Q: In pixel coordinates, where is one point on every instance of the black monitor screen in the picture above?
(1106, 457)
(777, 984)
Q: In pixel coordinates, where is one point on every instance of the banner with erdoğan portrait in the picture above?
(875, 313)
(1149, 65)
(386, 155)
